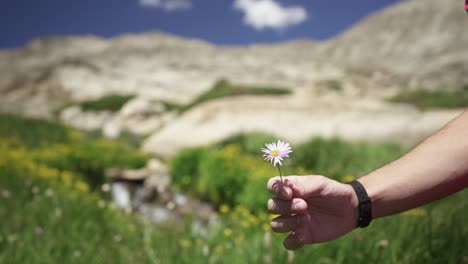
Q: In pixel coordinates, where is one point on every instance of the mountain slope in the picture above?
(422, 40)
(152, 65)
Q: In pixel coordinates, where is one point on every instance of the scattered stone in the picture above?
(6, 194)
(39, 231)
(49, 193)
(118, 238)
(101, 204)
(58, 212)
(105, 187)
(147, 191)
(111, 130)
(35, 190)
(383, 243)
(77, 253)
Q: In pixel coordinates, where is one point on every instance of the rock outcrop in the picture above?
(296, 119)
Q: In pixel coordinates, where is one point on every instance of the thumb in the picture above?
(278, 187)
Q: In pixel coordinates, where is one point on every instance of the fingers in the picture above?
(286, 223)
(297, 186)
(279, 206)
(294, 241)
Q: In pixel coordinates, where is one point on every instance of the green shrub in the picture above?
(91, 159)
(254, 195)
(68, 149)
(111, 103)
(222, 176)
(185, 169)
(217, 174)
(464, 88)
(334, 85)
(424, 99)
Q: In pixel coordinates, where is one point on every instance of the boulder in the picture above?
(86, 120)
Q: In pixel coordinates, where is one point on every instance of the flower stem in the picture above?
(281, 177)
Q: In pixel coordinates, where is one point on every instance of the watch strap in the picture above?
(365, 204)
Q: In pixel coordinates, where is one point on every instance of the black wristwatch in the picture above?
(365, 205)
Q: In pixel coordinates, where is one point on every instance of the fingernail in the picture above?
(298, 205)
(292, 242)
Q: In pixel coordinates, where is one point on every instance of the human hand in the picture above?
(313, 208)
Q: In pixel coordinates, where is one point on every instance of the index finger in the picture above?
(278, 187)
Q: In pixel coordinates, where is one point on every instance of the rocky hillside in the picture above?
(424, 41)
(337, 86)
(153, 65)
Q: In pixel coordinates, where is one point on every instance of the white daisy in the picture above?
(275, 152)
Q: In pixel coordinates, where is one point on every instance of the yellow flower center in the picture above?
(275, 152)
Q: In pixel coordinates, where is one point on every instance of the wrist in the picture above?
(375, 191)
(354, 206)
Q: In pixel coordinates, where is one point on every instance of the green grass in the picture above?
(425, 100)
(223, 89)
(336, 158)
(45, 223)
(48, 218)
(111, 103)
(33, 132)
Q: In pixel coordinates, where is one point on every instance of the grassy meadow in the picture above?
(438, 99)
(52, 209)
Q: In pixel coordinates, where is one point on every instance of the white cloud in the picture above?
(261, 14)
(167, 5)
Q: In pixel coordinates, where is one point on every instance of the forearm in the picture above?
(434, 169)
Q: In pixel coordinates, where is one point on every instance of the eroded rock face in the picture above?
(139, 116)
(296, 120)
(142, 116)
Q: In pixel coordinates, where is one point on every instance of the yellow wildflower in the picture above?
(348, 178)
(419, 212)
(185, 243)
(81, 186)
(224, 208)
(227, 231)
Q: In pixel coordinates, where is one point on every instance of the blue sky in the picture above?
(226, 22)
